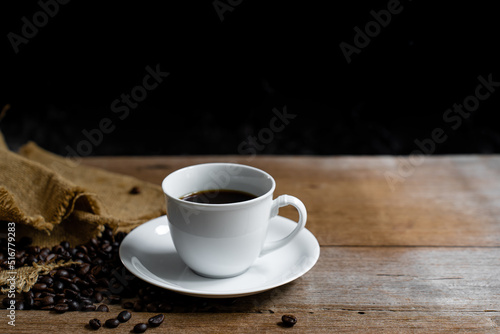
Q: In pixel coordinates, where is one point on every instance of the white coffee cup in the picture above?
(224, 240)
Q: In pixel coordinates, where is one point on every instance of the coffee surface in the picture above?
(218, 196)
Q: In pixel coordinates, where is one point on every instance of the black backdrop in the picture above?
(234, 65)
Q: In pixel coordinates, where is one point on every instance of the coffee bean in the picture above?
(91, 279)
(48, 300)
(61, 308)
(88, 293)
(57, 285)
(164, 307)
(103, 308)
(84, 269)
(66, 280)
(73, 305)
(128, 305)
(138, 307)
(20, 306)
(47, 280)
(62, 273)
(71, 294)
(151, 308)
(47, 307)
(33, 250)
(96, 270)
(107, 248)
(114, 299)
(62, 300)
(50, 257)
(124, 316)
(39, 286)
(30, 259)
(82, 248)
(120, 236)
(112, 323)
(289, 320)
(156, 320)
(98, 297)
(135, 190)
(85, 301)
(95, 324)
(28, 300)
(6, 302)
(88, 308)
(82, 284)
(107, 234)
(140, 328)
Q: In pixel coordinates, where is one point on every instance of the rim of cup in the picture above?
(212, 205)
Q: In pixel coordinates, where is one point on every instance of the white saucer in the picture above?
(149, 253)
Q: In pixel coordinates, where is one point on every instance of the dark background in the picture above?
(227, 76)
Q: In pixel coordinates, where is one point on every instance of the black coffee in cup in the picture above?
(218, 196)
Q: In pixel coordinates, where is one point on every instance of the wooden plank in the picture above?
(396, 288)
(445, 201)
(375, 273)
(319, 322)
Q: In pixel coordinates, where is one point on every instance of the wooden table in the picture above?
(406, 246)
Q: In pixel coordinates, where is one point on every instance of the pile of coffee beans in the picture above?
(98, 278)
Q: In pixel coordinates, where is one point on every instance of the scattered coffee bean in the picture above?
(289, 320)
(140, 328)
(114, 299)
(135, 191)
(112, 323)
(103, 308)
(156, 321)
(128, 305)
(151, 308)
(95, 324)
(138, 307)
(124, 316)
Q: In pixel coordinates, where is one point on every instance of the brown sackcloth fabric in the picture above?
(113, 190)
(51, 199)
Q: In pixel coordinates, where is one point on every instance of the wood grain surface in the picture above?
(405, 248)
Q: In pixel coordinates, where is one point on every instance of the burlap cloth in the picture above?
(51, 198)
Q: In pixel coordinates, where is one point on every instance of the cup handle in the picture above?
(279, 202)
